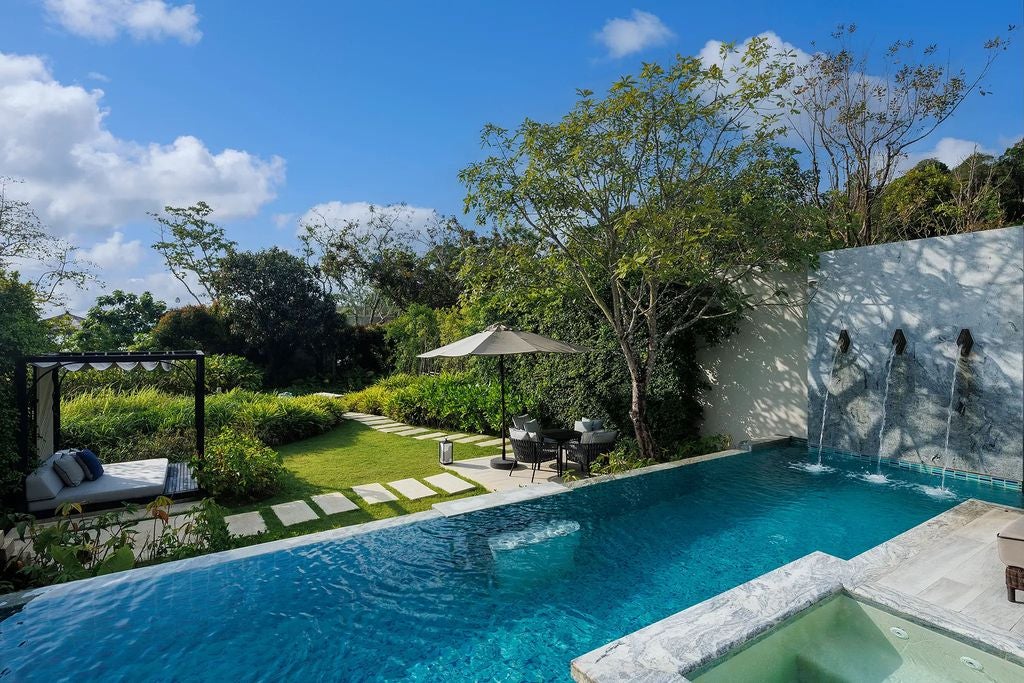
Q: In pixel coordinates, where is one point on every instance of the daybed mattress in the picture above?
(120, 481)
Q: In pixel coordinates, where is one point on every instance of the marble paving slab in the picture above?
(412, 489)
(449, 483)
(295, 512)
(489, 443)
(410, 432)
(245, 524)
(334, 503)
(374, 493)
(471, 439)
(431, 435)
(450, 437)
(395, 428)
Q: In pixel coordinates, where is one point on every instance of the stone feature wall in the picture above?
(930, 289)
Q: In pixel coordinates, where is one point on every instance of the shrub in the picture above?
(147, 423)
(238, 467)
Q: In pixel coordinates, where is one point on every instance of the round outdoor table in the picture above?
(560, 437)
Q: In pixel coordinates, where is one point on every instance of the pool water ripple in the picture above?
(511, 593)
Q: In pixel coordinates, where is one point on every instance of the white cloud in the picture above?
(282, 220)
(417, 218)
(625, 36)
(114, 253)
(97, 76)
(950, 151)
(141, 19)
(78, 174)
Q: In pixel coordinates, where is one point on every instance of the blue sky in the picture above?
(119, 110)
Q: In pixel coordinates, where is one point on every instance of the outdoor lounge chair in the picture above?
(531, 448)
(125, 481)
(1010, 544)
(592, 446)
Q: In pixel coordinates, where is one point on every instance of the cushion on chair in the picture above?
(43, 483)
(519, 420)
(68, 469)
(531, 426)
(77, 455)
(585, 424)
(523, 435)
(599, 436)
(1010, 543)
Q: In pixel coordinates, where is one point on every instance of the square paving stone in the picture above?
(431, 435)
(412, 489)
(471, 439)
(488, 443)
(448, 483)
(294, 512)
(333, 503)
(410, 432)
(374, 493)
(245, 524)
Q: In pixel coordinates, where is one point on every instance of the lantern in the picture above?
(445, 451)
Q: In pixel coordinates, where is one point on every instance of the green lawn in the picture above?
(350, 455)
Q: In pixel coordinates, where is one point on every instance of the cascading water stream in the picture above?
(824, 402)
(949, 418)
(878, 476)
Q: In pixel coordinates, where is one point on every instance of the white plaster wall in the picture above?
(759, 375)
(929, 288)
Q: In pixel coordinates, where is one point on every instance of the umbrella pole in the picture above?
(501, 375)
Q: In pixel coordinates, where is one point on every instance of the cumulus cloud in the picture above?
(623, 37)
(114, 253)
(141, 19)
(950, 151)
(416, 218)
(78, 174)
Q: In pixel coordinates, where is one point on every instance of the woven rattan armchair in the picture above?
(532, 453)
(592, 447)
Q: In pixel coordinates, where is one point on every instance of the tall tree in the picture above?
(657, 198)
(192, 247)
(116, 320)
(276, 306)
(1009, 179)
(25, 243)
(857, 127)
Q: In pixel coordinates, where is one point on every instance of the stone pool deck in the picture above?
(941, 574)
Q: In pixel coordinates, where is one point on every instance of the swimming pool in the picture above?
(510, 593)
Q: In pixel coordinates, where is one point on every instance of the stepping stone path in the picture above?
(450, 437)
(410, 432)
(398, 428)
(374, 493)
(431, 435)
(412, 489)
(375, 420)
(448, 483)
(333, 503)
(489, 443)
(471, 439)
(245, 524)
(294, 512)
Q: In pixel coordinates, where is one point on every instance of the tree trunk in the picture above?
(638, 407)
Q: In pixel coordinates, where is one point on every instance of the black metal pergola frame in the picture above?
(55, 362)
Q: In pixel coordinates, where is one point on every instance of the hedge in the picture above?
(148, 423)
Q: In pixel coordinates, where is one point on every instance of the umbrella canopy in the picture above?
(499, 340)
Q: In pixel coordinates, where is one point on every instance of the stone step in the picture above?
(374, 493)
(410, 432)
(334, 503)
(396, 428)
(471, 439)
(412, 489)
(451, 437)
(488, 443)
(448, 483)
(431, 435)
(245, 524)
(295, 512)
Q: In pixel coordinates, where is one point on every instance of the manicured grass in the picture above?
(350, 455)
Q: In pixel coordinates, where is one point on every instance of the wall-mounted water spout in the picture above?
(965, 341)
(844, 341)
(899, 342)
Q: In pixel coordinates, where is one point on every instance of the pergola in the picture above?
(38, 396)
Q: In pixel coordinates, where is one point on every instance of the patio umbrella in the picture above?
(501, 341)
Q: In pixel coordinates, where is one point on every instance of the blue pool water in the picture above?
(511, 593)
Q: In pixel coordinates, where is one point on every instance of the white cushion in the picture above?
(519, 420)
(523, 435)
(531, 426)
(43, 483)
(585, 424)
(599, 436)
(1010, 543)
(68, 469)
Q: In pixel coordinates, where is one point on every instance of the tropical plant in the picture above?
(192, 247)
(238, 467)
(117, 321)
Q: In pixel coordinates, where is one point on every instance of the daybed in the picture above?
(124, 481)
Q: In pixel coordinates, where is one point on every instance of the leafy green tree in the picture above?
(194, 327)
(655, 200)
(21, 332)
(278, 309)
(117, 321)
(913, 205)
(1009, 180)
(412, 333)
(857, 127)
(192, 247)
